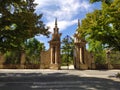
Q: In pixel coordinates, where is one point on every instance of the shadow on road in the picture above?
(54, 81)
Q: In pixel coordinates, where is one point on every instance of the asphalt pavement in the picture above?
(45, 79)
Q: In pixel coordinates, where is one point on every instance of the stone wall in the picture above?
(45, 59)
(2, 59)
(116, 66)
(11, 66)
(89, 58)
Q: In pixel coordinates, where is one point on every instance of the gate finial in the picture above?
(78, 23)
(55, 22)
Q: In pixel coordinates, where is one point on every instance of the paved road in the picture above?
(58, 80)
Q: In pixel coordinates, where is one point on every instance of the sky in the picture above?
(67, 13)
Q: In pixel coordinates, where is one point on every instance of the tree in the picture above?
(101, 28)
(106, 1)
(18, 22)
(103, 25)
(32, 49)
(67, 50)
(12, 57)
(115, 57)
(98, 50)
(94, 46)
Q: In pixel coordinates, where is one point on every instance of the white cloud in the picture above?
(64, 10)
(85, 5)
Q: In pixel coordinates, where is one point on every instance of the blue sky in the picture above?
(67, 13)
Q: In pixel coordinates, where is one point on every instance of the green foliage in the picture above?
(18, 22)
(33, 48)
(104, 24)
(115, 57)
(12, 57)
(101, 28)
(98, 50)
(92, 1)
(67, 59)
(67, 50)
(105, 1)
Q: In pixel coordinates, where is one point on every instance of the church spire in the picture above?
(56, 28)
(55, 22)
(78, 26)
(78, 23)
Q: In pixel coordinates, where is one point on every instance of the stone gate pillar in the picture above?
(55, 48)
(79, 42)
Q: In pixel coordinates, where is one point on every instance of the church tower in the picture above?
(55, 60)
